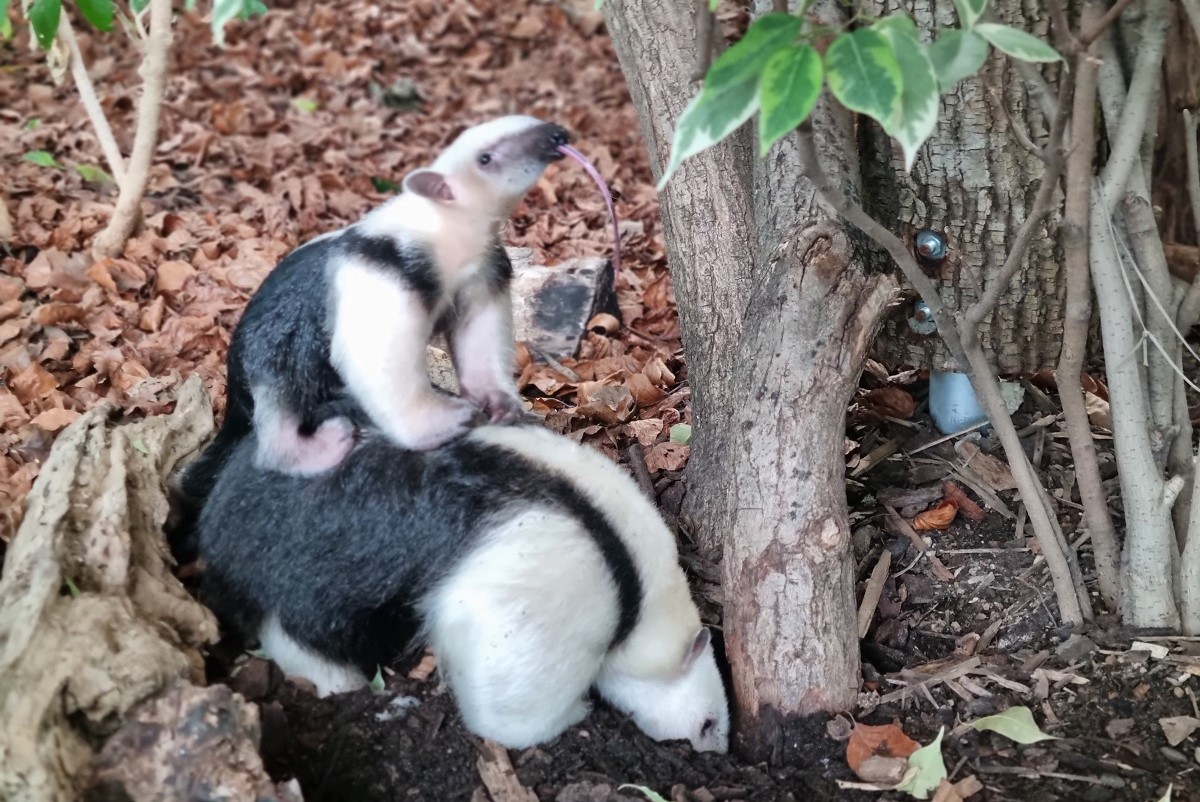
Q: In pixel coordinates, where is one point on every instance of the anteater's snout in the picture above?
(552, 137)
(559, 136)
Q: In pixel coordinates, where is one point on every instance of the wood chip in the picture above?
(874, 589)
(499, 776)
(899, 526)
(954, 672)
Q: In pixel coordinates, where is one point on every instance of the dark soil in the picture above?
(407, 742)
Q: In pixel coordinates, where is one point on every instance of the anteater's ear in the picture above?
(699, 643)
(429, 184)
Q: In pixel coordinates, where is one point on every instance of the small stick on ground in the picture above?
(874, 590)
(900, 526)
(637, 461)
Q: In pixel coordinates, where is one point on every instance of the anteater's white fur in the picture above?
(522, 625)
(379, 327)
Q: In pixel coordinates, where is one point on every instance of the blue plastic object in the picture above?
(952, 402)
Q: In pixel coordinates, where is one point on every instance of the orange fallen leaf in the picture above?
(56, 314)
(968, 507)
(54, 419)
(937, 518)
(885, 740)
(99, 273)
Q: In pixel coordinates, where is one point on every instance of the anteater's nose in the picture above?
(559, 136)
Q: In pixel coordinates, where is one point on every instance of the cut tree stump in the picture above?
(94, 626)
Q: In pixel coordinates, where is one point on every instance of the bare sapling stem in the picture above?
(1189, 308)
(1077, 317)
(91, 103)
(127, 215)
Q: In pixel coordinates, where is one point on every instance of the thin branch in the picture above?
(1140, 97)
(1038, 89)
(1076, 319)
(1189, 309)
(969, 355)
(127, 215)
(705, 32)
(1052, 157)
(1105, 22)
(91, 103)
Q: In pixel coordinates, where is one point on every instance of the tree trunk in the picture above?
(777, 310)
(974, 182)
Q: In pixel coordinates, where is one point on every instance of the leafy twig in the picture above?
(91, 104)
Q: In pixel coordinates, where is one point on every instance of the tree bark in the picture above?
(777, 310)
(974, 182)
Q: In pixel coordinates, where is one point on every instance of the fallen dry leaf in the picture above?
(667, 457)
(995, 472)
(604, 323)
(1098, 411)
(885, 740)
(940, 517)
(171, 276)
(1178, 729)
(891, 401)
(53, 420)
(34, 383)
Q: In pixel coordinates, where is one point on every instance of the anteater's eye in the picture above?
(706, 727)
(485, 159)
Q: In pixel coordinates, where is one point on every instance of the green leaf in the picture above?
(138, 6)
(384, 184)
(1167, 796)
(681, 433)
(140, 445)
(98, 12)
(72, 588)
(377, 684)
(43, 16)
(917, 116)
(730, 93)
(709, 118)
(644, 791)
(925, 769)
(745, 60)
(32, 122)
(956, 55)
(41, 158)
(1018, 44)
(969, 11)
(787, 91)
(224, 11)
(1016, 724)
(305, 105)
(897, 23)
(5, 24)
(864, 75)
(94, 174)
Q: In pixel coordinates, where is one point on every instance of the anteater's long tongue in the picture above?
(567, 150)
